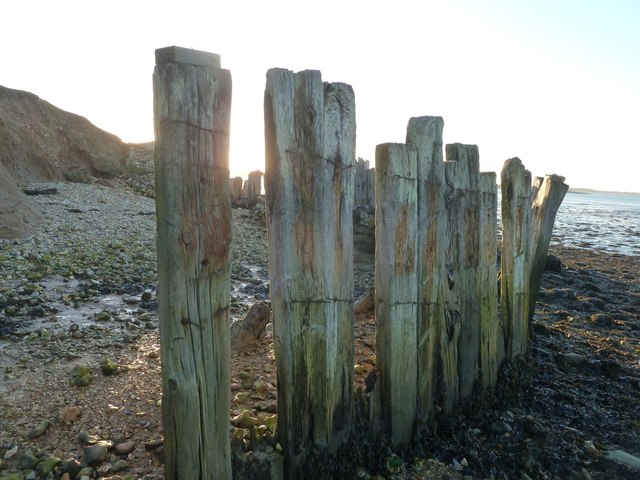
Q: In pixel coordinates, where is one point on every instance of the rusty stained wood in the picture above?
(309, 183)
(547, 196)
(192, 107)
(396, 288)
(515, 187)
(426, 134)
(491, 343)
(462, 198)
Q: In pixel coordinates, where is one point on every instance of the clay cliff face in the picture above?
(42, 143)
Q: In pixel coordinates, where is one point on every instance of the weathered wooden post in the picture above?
(192, 102)
(547, 198)
(515, 272)
(309, 183)
(463, 204)
(396, 284)
(426, 134)
(253, 185)
(235, 184)
(491, 343)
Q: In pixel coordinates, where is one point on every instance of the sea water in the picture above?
(600, 221)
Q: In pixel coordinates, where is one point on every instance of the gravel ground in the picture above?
(80, 366)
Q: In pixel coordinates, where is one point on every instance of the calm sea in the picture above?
(596, 220)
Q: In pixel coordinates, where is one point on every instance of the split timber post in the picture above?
(396, 288)
(309, 183)
(426, 134)
(515, 185)
(491, 343)
(547, 196)
(192, 103)
(463, 204)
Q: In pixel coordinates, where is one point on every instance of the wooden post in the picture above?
(514, 265)
(463, 205)
(547, 198)
(192, 103)
(309, 183)
(426, 134)
(254, 184)
(396, 287)
(236, 188)
(361, 188)
(490, 331)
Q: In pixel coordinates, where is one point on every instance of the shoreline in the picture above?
(585, 356)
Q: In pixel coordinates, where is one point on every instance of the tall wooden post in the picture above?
(309, 183)
(192, 103)
(515, 185)
(490, 331)
(397, 287)
(546, 200)
(426, 134)
(463, 204)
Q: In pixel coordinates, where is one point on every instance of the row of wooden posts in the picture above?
(444, 324)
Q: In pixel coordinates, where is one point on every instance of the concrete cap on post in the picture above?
(188, 56)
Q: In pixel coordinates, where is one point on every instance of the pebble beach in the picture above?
(80, 365)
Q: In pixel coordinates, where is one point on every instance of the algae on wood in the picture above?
(426, 134)
(396, 288)
(192, 104)
(514, 266)
(309, 183)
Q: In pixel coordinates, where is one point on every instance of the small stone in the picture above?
(119, 465)
(589, 446)
(11, 452)
(69, 415)
(39, 430)
(45, 467)
(260, 385)
(244, 420)
(87, 439)
(28, 460)
(95, 454)
(102, 316)
(125, 448)
(241, 397)
(247, 383)
(573, 359)
(147, 295)
(70, 466)
(154, 443)
(85, 472)
(244, 375)
(358, 369)
(235, 387)
(108, 367)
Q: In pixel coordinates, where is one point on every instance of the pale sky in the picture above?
(554, 82)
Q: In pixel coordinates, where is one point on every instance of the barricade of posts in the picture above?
(444, 325)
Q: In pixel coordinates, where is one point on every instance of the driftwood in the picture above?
(248, 332)
(310, 156)
(192, 104)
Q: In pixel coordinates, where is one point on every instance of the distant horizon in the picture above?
(552, 83)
